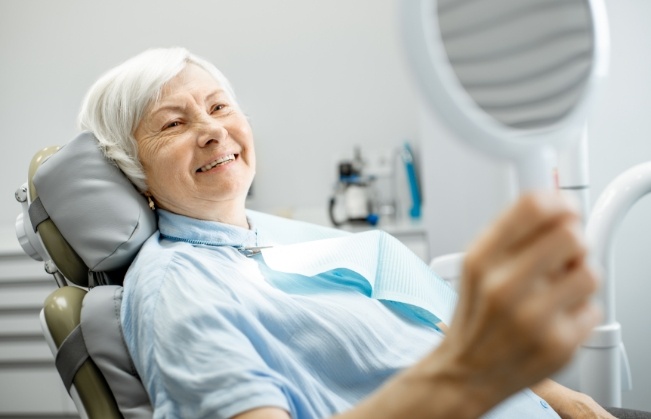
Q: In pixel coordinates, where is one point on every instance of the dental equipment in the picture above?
(516, 79)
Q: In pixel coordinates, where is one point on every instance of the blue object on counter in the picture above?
(408, 159)
(373, 219)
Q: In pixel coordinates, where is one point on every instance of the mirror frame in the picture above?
(445, 95)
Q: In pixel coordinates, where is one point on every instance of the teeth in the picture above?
(217, 162)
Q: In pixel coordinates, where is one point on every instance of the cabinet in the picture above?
(29, 383)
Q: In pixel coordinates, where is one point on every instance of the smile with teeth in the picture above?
(219, 161)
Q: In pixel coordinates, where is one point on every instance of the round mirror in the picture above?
(514, 78)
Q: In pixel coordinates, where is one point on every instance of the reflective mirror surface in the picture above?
(523, 62)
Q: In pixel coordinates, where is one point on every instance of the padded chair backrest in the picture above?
(102, 330)
(60, 319)
(92, 222)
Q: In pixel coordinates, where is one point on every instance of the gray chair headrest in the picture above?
(96, 208)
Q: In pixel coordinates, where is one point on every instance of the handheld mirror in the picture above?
(514, 78)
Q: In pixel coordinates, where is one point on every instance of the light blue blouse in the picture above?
(214, 333)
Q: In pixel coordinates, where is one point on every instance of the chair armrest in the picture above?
(449, 267)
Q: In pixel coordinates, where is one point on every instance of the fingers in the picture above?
(566, 331)
(549, 254)
(554, 268)
(521, 224)
(526, 281)
(574, 288)
(581, 321)
(551, 277)
(544, 247)
(578, 314)
(557, 312)
(539, 235)
(563, 308)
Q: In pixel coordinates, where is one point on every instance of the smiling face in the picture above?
(196, 147)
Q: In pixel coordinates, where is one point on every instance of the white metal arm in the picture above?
(601, 370)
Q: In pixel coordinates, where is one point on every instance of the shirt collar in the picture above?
(212, 233)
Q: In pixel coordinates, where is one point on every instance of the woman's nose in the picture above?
(210, 130)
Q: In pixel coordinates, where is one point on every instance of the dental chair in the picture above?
(85, 220)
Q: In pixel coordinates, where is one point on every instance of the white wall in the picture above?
(317, 78)
(469, 188)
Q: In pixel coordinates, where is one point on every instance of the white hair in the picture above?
(117, 101)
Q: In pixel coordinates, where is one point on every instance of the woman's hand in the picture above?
(523, 310)
(570, 404)
(525, 303)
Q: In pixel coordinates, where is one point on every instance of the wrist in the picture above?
(451, 387)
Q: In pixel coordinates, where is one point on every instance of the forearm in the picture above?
(436, 387)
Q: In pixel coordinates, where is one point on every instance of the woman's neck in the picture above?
(233, 215)
(224, 212)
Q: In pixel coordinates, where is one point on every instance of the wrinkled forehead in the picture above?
(192, 79)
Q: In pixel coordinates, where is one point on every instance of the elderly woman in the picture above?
(214, 333)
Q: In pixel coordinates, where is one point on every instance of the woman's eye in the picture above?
(218, 107)
(171, 125)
